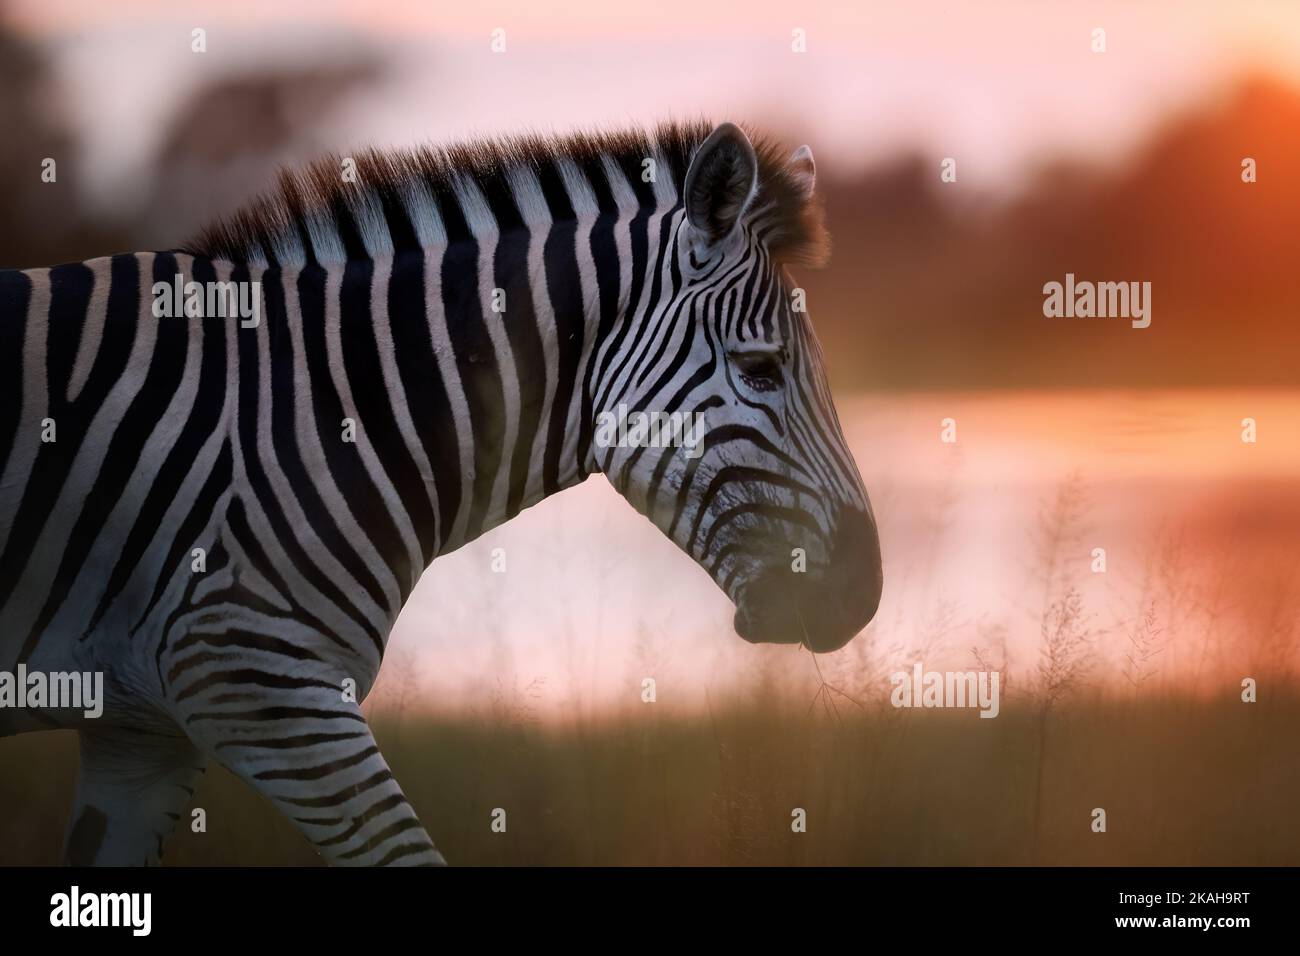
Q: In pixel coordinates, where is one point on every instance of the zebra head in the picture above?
(761, 489)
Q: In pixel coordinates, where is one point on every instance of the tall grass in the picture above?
(1213, 784)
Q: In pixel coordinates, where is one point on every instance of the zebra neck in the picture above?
(463, 368)
(527, 324)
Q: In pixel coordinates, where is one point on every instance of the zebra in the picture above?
(199, 527)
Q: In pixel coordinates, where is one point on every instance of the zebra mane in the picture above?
(315, 213)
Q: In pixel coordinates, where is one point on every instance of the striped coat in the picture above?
(224, 467)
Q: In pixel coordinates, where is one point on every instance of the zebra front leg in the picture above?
(132, 787)
(312, 754)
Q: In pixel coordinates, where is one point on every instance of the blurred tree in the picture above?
(928, 289)
(226, 143)
(40, 222)
(222, 146)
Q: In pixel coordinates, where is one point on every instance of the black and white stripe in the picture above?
(666, 293)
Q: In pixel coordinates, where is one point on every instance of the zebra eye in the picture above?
(760, 370)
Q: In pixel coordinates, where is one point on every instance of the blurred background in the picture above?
(1121, 687)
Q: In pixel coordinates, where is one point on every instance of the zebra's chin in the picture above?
(813, 616)
(760, 630)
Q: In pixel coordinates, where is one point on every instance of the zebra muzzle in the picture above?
(823, 610)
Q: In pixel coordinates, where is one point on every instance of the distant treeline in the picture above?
(930, 288)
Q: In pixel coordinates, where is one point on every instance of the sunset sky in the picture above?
(1002, 84)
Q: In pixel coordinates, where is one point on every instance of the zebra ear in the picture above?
(803, 170)
(722, 178)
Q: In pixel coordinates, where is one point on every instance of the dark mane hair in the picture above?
(317, 195)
